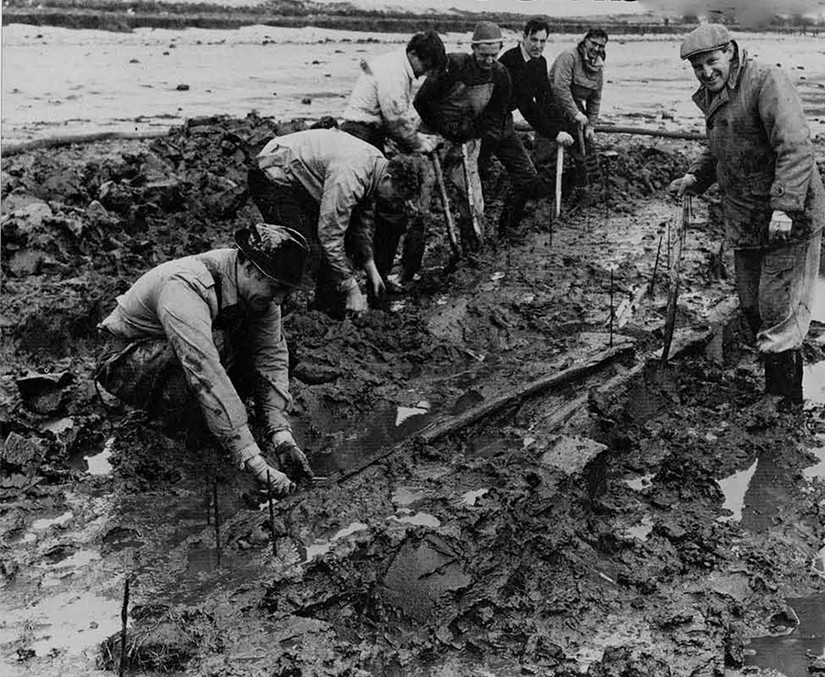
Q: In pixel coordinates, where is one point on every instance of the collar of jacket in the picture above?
(710, 103)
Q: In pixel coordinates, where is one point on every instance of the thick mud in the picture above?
(634, 519)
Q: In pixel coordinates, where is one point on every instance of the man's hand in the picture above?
(268, 478)
(779, 229)
(589, 132)
(564, 139)
(429, 142)
(581, 119)
(682, 185)
(374, 280)
(356, 302)
(294, 461)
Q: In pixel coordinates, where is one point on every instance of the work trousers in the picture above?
(522, 173)
(776, 292)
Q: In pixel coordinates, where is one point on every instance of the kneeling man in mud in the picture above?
(761, 155)
(206, 330)
(327, 184)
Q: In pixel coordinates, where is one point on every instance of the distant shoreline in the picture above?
(112, 17)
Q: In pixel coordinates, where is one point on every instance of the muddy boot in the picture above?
(787, 376)
(511, 216)
(753, 320)
(415, 241)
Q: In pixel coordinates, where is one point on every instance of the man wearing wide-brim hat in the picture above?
(466, 101)
(761, 155)
(193, 336)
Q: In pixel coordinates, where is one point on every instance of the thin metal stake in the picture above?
(217, 520)
(611, 308)
(124, 615)
(271, 515)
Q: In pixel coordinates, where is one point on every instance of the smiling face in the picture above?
(257, 290)
(712, 69)
(534, 44)
(485, 54)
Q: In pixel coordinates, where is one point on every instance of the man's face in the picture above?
(259, 291)
(595, 47)
(419, 65)
(486, 54)
(387, 191)
(713, 68)
(534, 44)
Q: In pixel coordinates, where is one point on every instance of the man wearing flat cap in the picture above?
(761, 155)
(194, 336)
(466, 101)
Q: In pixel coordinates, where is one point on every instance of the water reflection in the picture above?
(790, 654)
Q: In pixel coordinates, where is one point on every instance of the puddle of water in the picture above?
(790, 654)
(45, 523)
(734, 488)
(813, 383)
(405, 413)
(99, 463)
(640, 483)
(470, 497)
(498, 275)
(817, 470)
(323, 547)
(58, 425)
(405, 496)
(70, 622)
(422, 519)
(641, 530)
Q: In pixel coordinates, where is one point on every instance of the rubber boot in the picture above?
(512, 215)
(753, 320)
(783, 377)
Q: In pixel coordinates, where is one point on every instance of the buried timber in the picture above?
(515, 483)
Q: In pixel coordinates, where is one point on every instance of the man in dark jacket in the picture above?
(532, 96)
(761, 155)
(465, 102)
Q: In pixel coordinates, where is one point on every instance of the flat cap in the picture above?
(706, 38)
(485, 33)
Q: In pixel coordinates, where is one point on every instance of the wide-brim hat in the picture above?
(486, 33)
(278, 252)
(705, 38)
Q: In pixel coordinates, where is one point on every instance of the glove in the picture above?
(428, 143)
(355, 303)
(779, 229)
(293, 460)
(564, 139)
(682, 185)
(279, 484)
(581, 119)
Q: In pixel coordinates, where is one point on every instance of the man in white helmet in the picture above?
(194, 335)
(760, 154)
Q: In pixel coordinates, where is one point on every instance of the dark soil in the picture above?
(583, 529)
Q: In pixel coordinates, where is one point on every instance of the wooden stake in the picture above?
(611, 308)
(124, 616)
(452, 234)
(217, 520)
(656, 264)
(271, 515)
(559, 167)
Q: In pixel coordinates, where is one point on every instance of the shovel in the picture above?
(445, 201)
(675, 269)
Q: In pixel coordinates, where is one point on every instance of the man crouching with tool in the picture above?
(208, 328)
(760, 153)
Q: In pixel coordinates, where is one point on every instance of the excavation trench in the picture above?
(480, 513)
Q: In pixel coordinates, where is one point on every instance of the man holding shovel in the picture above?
(761, 155)
(465, 102)
(193, 336)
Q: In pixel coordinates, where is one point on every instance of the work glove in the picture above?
(581, 119)
(564, 139)
(779, 229)
(293, 461)
(355, 302)
(278, 485)
(682, 185)
(428, 143)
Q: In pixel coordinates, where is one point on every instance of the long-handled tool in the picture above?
(445, 202)
(675, 270)
(465, 161)
(559, 168)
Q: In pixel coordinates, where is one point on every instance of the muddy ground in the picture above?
(639, 519)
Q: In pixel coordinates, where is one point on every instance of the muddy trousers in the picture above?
(146, 374)
(524, 180)
(776, 295)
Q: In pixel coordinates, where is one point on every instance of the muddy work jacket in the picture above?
(182, 300)
(576, 88)
(382, 97)
(760, 152)
(340, 172)
(465, 102)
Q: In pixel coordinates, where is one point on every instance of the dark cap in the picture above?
(705, 38)
(277, 251)
(486, 33)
